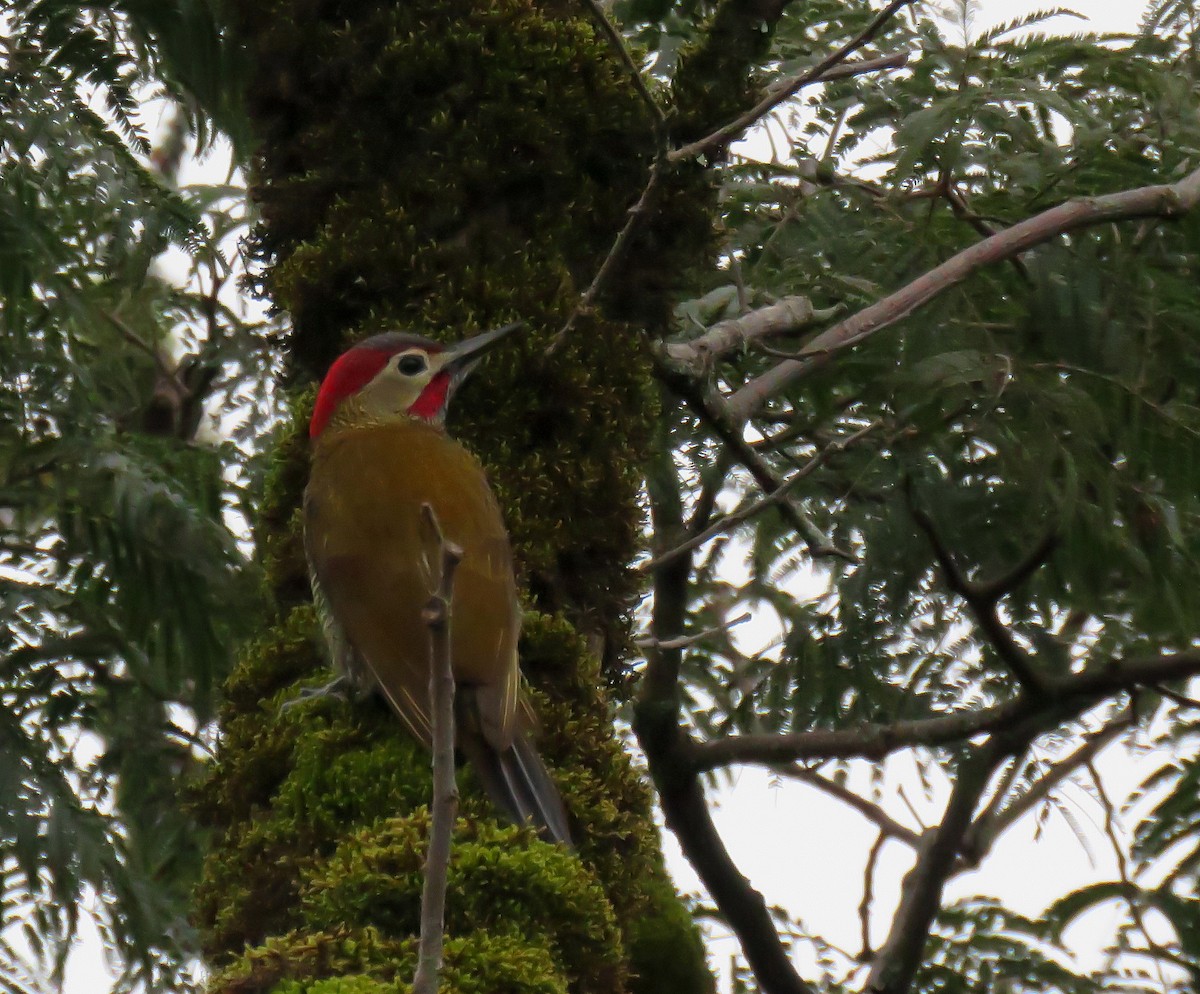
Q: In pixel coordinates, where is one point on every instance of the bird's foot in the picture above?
(340, 688)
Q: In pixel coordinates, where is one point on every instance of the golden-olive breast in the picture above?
(376, 563)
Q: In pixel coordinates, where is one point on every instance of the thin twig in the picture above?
(997, 819)
(131, 336)
(445, 792)
(616, 253)
(728, 521)
(983, 604)
(864, 907)
(1180, 699)
(962, 210)
(618, 45)
(683, 641)
(707, 407)
(887, 825)
(816, 74)
(1132, 890)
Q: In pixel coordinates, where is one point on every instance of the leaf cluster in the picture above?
(124, 442)
(1033, 432)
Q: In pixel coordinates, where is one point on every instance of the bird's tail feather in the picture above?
(516, 781)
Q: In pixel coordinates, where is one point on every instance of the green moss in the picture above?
(500, 881)
(446, 165)
(361, 962)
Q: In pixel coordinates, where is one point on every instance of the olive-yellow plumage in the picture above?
(380, 454)
(376, 562)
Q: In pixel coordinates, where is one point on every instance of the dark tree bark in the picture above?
(443, 167)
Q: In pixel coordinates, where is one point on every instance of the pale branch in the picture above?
(684, 641)
(982, 603)
(616, 254)
(896, 964)
(617, 43)
(445, 792)
(780, 493)
(1171, 200)
(998, 818)
(887, 825)
(1061, 699)
(816, 74)
(785, 317)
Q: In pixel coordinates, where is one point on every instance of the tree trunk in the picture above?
(444, 166)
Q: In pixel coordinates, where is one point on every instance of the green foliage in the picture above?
(979, 946)
(1049, 404)
(123, 587)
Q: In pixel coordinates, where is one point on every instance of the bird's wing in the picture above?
(371, 556)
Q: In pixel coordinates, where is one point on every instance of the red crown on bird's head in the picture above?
(425, 375)
(358, 366)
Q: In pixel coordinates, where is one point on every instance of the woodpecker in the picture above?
(380, 451)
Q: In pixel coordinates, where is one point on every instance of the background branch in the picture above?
(1162, 200)
(981, 601)
(726, 133)
(898, 960)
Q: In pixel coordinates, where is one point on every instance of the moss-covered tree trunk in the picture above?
(444, 166)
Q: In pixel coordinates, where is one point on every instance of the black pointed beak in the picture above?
(465, 355)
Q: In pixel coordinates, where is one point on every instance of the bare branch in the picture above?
(887, 825)
(1165, 200)
(618, 45)
(723, 135)
(897, 962)
(867, 741)
(864, 907)
(983, 606)
(1060, 700)
(724, 524)
(445, 791)
(667, 746)
(620, 247)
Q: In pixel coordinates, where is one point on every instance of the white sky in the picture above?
(806, 852)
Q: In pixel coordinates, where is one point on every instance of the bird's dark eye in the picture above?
(411, 364)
